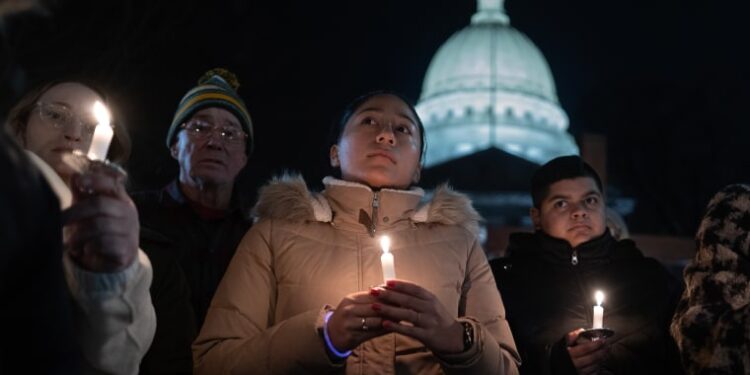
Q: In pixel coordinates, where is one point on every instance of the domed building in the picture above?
(492, 116)
(489, 87)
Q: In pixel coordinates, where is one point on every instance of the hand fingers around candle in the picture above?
(100, 207)
(106, 254)
(105, 246)
(572, 336)
(400, 314)
(356, 306)
(358, 298)
(396, 298)
(590, 363)
(100, 181)
(409, 288)
(587, 354)
(88, 230)
(586, 348)
(102, 229)
(346, 325)
(111, 169)
(404, 329)
(366, 324)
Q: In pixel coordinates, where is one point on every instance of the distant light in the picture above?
(464, 147)
(514, 148)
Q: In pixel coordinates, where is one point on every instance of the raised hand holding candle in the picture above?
(599, 310)
(102, 134)
(386, 260)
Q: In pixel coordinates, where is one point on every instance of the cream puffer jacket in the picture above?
(309, 250)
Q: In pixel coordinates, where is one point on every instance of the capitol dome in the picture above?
(489, 86)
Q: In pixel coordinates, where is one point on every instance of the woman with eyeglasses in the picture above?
(305, 292)
(108, 277)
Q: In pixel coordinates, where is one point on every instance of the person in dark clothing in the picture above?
(549, 279)
(192, 226)
(106, 275)
(38, 334)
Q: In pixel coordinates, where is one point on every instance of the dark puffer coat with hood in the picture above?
(548, 288)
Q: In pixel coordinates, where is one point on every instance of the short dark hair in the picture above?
(560, 168)
(338, 128)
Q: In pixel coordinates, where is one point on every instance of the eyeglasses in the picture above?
(201, 129)
(61, 117)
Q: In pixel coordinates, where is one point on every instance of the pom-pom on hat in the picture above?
(216, 88)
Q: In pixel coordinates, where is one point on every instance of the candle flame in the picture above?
(385, 243)
(101, 113)
(599, 297)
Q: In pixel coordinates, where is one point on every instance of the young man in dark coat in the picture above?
(550, 277)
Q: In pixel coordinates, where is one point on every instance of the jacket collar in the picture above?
(554, 250)
(172, 196)
(287, 198)
(358, 207)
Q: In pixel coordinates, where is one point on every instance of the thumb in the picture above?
(572, 336)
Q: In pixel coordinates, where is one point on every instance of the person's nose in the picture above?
(73, 131)
(578, 211)
(387, 135)
(215, 140)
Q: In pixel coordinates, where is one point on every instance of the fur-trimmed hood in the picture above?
(288, 198)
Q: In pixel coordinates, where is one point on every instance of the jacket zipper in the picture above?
(588, 313)
(374, 215)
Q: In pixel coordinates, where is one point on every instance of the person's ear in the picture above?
(244, 160)
(536, 217)
(174, 151)
(334, 156)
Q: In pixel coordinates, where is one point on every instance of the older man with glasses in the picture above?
(191, 227)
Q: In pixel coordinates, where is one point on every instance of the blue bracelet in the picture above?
(328, 338)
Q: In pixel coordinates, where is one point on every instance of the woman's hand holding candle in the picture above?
(102, 225)
(346, 326)
(411, 310)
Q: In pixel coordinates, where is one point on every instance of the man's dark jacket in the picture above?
(548, 290)
(189, 254)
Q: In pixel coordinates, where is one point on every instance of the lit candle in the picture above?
(102, 134)
(386, 260)
(598, 310)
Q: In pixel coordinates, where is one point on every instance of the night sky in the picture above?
(666, 81)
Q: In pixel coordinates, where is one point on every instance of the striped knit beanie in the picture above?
(216, 88)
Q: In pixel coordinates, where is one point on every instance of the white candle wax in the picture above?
(102, 134)
(386, 260)
(599, 311)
